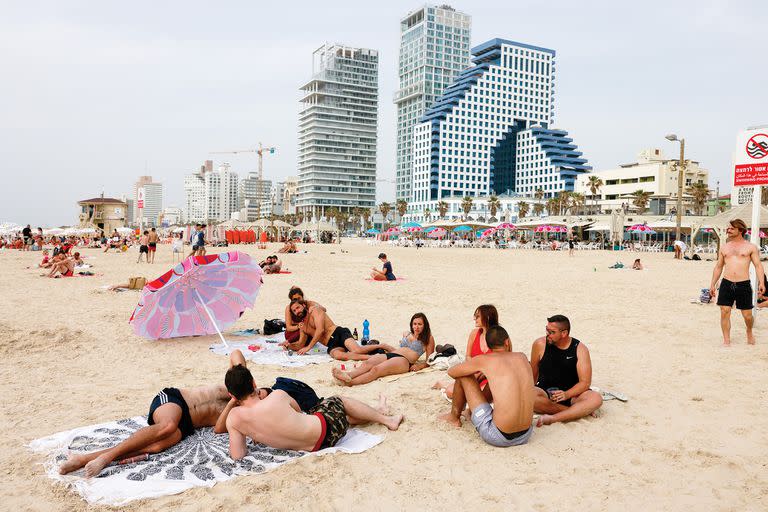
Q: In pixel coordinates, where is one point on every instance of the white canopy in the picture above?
(315, 226)
(599, 227)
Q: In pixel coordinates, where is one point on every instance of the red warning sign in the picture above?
(750, 161)
(757, 146)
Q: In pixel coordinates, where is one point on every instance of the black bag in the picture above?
(273, 326)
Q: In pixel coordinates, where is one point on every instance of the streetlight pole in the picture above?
(680, 180)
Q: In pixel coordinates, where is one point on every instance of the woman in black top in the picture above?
(385, 274)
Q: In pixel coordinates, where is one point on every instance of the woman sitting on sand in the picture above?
(289, 247)
(637, 265)
(385, 274)
(486, 316)
(397, 360)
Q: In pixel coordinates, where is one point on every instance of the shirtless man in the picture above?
(152, 244)
(314, 323)
(173, 415)
(510, 421)
(277, 421)
(562, 371)
(291, 328)
(733, 263)
(64, 266)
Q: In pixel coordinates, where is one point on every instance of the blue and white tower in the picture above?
(490, 132)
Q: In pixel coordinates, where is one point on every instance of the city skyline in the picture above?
(98, 96)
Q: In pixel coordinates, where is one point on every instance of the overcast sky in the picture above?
(95, 92)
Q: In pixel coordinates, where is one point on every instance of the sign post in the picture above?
(751, 168)
(140, 206)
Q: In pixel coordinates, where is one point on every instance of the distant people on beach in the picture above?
(315, 325)
(762, 297)
(198, 240)
(509, 422)
(289, 247)
(277, 421)
(26, 234)
(637, 265)
(415, 343)
(144, 247)
(562, 371)
(385, 274)
(732, 265)
(485, 316)
(271, 265)
(680, 248)
(152, 241)
(133, 283)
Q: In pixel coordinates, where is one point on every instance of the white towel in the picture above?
(272, 353)
(200, 460)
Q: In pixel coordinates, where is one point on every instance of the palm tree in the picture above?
(538, 209)
(300, 216)
(427, 214)
(466, 205)
(553, 204)
(522, 209)
(442, 209)
(401, 206)
(332, 213)
(385, 208)
(493, 204)
(578, 200)
(595, 184)
(700, 194)
(539, 194)
(721, 205)
(641, 198)
(563, 202)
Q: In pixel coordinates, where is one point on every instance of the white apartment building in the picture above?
(653, 173)
(221, 187)
(490, 131)
(172, 216)
(194, 196)
(153, 201)
(434, 48)
(337, 130)
(288, 199)
(251, 194)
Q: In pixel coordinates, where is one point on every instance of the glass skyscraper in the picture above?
(337, 131)
(434, 48)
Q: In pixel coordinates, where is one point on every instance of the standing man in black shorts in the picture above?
(733, 264)
(562, 371)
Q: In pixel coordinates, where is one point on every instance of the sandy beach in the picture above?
(691, 436)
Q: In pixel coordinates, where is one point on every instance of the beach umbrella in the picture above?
(392, 230)
(411, 225)
(544, 229)
(437, 233)
(373, 231)
(53, 231)
(762, 233)
(460, 229)
(199, 296)
(413, 229)
(487, 232)
(641, 228)
(506, 225)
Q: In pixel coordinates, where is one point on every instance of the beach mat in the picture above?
(200, 460)
(271, 352)
(384, 280)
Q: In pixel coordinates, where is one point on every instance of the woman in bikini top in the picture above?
(396, 360)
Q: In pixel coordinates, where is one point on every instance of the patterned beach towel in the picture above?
(270, 352)
(200, 460)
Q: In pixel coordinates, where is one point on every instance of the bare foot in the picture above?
(544, 419)
(727, 343)
(341, 377)
(73, 463)
(451, 419)
(94, 467)
(393, 422)
(750, 339)
(383, 408)
(439, 385)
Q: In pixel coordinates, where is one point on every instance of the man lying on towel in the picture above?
(173, 415)
(509, 421)
(277, 420)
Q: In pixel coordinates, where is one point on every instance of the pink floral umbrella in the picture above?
(488, 232)
(199, 296)
(640, 228)
(413, 229)
(544, 229)
(437, 233)
(506, 225)
(762, 233)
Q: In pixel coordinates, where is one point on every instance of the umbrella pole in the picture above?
(211, 317)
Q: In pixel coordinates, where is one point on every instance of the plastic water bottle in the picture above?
(366, 331)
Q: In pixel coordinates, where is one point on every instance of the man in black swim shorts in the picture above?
(173, 415)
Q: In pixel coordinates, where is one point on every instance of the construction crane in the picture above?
(261, 150)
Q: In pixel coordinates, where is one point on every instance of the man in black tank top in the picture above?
(562, 371)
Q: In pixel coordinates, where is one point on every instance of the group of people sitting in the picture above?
(62, 264)
(289, 247)
(288, 415)
(271, 265)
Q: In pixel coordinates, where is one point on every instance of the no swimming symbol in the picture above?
(757, 146)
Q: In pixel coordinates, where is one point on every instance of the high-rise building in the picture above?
(220, 193)
(434, 48)
(194, 196)
(490, 132)
(251, 193)
(153, 201)
(289, 195)
(337, 130)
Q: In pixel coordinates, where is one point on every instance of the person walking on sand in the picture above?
(144, 246)
(152, 244)
(733, 261)
(562, 371)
